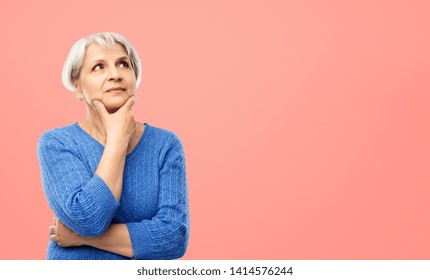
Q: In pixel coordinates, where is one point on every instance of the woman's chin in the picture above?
(112, 107)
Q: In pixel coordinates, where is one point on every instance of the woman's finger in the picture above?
(129, 103)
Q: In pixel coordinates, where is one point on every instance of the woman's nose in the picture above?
(114, 74)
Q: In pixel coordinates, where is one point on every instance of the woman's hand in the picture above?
(120, 126)
(63, 236)
(115, 239)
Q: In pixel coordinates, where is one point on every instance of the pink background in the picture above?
(305, 123)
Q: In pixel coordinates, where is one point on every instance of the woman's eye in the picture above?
(98, 67)
(123, 64)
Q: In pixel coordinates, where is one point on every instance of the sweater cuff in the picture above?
(100, 208)
(136, 236)
(102, 195)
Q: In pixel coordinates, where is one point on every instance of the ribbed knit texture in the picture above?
(154, 200)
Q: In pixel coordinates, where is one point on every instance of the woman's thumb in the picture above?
(100, 108)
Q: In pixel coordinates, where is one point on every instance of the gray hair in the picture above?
(75, 59)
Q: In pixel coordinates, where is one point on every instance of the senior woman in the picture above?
(118, 187)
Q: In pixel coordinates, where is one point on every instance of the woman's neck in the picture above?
(93, 125)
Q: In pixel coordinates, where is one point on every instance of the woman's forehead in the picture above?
(97, 52)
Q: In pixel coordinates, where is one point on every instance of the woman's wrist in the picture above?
(86, 241)
(117, 144)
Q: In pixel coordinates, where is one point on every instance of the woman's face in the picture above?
(106, 75)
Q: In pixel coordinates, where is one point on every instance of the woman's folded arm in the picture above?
(81, 200)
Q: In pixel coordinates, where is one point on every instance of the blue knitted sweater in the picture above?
(154, 200)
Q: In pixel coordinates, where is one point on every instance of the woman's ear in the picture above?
(78, 93)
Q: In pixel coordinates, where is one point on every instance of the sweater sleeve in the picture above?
(81, 200)
(166, 235)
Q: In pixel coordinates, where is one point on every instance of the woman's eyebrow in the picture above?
(123, 58)
(102, 60)
(96, 61)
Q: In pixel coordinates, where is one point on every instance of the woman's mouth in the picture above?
(116, 90)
